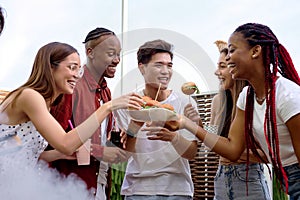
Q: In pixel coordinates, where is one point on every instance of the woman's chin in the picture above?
(68, 91)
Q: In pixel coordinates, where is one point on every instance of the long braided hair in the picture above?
(275, 59)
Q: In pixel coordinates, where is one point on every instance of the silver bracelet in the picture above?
(211, 128)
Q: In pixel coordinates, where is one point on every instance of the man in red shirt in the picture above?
(103, 55)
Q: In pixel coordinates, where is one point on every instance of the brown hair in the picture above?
(41, 77)
(148, 49)
(228, 99)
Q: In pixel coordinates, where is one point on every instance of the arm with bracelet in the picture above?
(131, 132)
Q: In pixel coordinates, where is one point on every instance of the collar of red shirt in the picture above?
(91, 82)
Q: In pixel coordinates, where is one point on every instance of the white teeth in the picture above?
(230, 65)
(72, 83)
(163, 79)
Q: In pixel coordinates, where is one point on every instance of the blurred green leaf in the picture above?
(117, 174)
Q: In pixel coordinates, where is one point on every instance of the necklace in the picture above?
(260, 99)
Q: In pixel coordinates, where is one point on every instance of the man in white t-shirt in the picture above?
(159, 169)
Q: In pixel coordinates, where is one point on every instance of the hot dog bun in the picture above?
(149, 102)
(146, 98)
(167, 106)
(152, 103)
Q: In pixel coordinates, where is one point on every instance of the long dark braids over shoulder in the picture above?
(276, 59)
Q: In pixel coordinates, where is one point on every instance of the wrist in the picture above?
(131, 134)
(97, 151)
(175, 139)
(183, 122)
(189, 125)
(109, 106)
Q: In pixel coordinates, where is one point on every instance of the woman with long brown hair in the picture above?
(24, 113)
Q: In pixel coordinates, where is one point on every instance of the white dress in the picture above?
(21, 141)
(23, 176)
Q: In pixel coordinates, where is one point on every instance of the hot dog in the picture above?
(150, 103)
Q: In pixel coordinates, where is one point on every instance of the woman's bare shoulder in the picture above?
(30, 94)
(30, 98)
(216, 97)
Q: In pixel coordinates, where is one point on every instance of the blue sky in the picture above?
(31, 24)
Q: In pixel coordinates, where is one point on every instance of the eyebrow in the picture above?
(111, 49)
(73, 63)
(168, 63)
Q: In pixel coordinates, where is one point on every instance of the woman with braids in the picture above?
(267, 115)
(230, 180)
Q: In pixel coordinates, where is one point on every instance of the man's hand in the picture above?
(114, 155)
(159, 133)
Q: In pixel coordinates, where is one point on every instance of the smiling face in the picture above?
(158, 70)
(240, 57)
(104, 58)
(67, 74)
(222, 72)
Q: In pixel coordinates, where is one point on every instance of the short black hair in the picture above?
(147, 50)
(96, 33)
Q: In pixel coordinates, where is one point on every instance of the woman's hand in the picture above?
(129, 101)
(191, 113)
(178, 124)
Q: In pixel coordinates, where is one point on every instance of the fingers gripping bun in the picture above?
(189, 88)
(146, 100)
